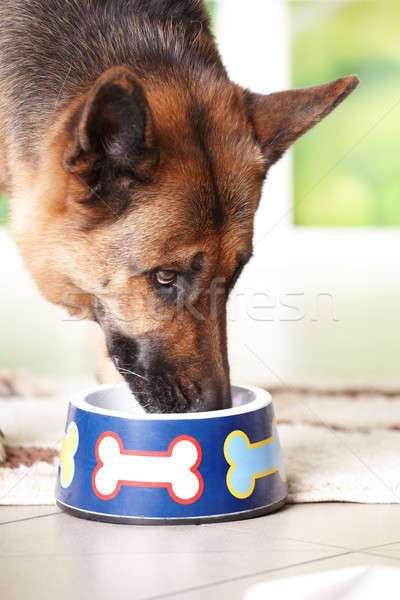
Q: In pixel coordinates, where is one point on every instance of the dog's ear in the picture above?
(281, 118)
(112, 131)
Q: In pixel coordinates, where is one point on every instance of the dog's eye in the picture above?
(165, 278)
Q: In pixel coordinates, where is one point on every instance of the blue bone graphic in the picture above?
(249, 461)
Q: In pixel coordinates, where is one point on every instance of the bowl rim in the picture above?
(262, 398)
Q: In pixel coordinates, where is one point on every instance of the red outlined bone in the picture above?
(175, 469)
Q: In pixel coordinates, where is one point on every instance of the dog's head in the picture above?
(163, 182)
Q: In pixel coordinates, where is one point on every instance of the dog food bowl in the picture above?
(121, 464)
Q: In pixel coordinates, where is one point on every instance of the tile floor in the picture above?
(45, 553)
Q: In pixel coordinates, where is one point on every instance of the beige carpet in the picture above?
(337, 445)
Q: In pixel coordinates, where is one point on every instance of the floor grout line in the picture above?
(59, 512)
(383, 546)
(186, 552)
(299, 540)
(368, 550)
(397, 558)
(244, 577)
(316, 543)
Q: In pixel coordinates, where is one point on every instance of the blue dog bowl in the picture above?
(121, 464)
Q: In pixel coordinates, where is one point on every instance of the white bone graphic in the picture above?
(175, 469)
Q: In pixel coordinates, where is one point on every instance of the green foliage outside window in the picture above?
(211, 10)
(346, 170)
(3, 209)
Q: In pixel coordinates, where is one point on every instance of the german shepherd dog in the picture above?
(135, 168)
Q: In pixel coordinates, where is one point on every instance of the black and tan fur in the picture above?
(127, 153)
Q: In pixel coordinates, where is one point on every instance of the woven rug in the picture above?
(338, 445)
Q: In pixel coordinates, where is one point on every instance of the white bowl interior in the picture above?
(118, 400)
